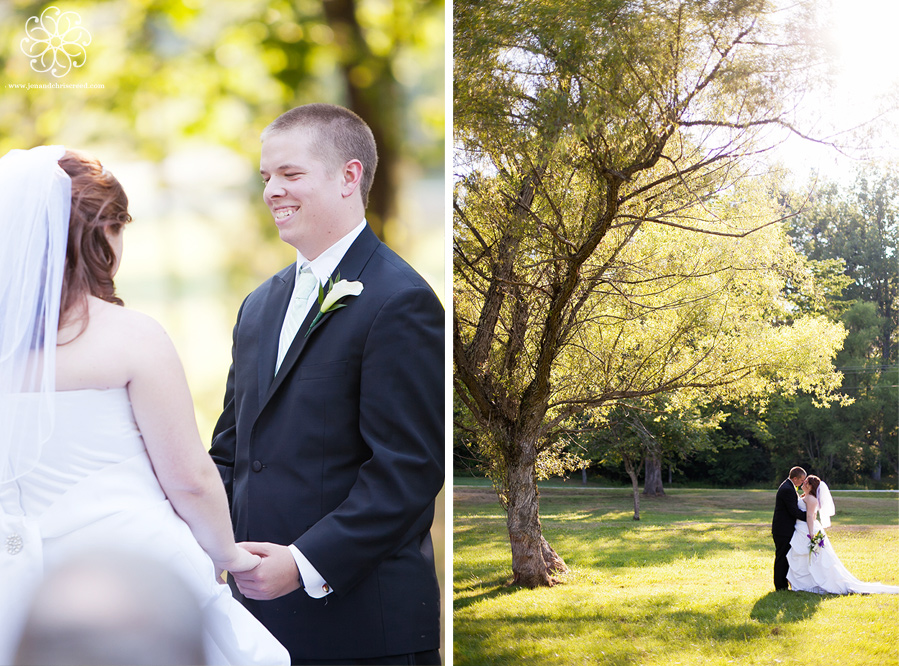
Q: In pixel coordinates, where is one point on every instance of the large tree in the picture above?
(614, 236)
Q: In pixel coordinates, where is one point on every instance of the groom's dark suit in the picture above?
(786, 513)
(342, 455)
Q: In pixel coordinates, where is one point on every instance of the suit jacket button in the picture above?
(257, 466)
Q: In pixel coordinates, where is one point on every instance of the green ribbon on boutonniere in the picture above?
(327, 298)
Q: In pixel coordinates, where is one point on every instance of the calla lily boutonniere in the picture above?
(327, 298)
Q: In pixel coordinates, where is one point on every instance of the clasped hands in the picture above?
(274, 576)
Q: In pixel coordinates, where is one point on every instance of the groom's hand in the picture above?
(275, 576)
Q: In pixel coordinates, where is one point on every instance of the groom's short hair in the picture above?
(338, 136)
(796, 472)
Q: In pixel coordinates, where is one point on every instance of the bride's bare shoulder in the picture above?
(110, 325)
(111, 319)
(109, 347)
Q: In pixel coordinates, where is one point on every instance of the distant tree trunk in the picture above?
(670, 474)
(376, 97)
(878, 446)
(584, 475)
(533, 560)
(635, 482)
(652, 483)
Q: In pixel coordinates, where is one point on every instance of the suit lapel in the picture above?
(349, 268)
(270, 327)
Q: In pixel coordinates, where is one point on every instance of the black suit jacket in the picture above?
(342, 454)
(786, 511)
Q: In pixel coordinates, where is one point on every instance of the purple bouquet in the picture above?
(816, 542)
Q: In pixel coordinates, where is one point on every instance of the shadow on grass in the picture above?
(610, 547)
(482, 549)
(492, 589)
(785, 606)
(568, 630)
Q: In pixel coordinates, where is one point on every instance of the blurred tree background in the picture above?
(172, 96)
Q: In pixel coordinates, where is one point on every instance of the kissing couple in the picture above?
(804, 558)
(318, 495)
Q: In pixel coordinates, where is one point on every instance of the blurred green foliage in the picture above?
(220, 70)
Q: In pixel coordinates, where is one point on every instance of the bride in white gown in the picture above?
(99, 446)
(822, 572)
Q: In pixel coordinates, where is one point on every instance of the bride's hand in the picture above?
(243, 560)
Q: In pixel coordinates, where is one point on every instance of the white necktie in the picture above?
(296, 312)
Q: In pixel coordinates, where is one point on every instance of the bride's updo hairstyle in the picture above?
(813, 483)
(98, 203)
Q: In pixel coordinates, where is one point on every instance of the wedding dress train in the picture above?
(822, 572)
(94, 487)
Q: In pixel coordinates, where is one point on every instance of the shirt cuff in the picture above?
(313, 583)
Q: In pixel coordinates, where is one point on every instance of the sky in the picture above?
(867, 69)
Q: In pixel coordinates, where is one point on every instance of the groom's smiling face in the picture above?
(301, 190)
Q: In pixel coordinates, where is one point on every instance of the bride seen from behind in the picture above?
(102, 345)
(111, 453)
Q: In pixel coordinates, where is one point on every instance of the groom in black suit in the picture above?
(331, 443)
(786, 513)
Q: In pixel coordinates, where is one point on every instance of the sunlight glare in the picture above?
(868, 53)
(859, 112)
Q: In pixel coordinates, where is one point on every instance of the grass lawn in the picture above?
(690, 583)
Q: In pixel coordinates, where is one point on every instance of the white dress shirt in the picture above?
(325, 263)
(322, 267)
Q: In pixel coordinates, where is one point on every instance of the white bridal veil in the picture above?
(35, 201)
(826, 506)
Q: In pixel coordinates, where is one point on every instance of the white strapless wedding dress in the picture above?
(822, 572)
(94, 486)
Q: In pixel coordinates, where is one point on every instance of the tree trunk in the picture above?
(533, 560)
(652, 483)
(635, 482)
(583, 476)
(377, 102)
(878, 446)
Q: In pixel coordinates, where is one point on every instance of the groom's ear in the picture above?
(351, 177)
